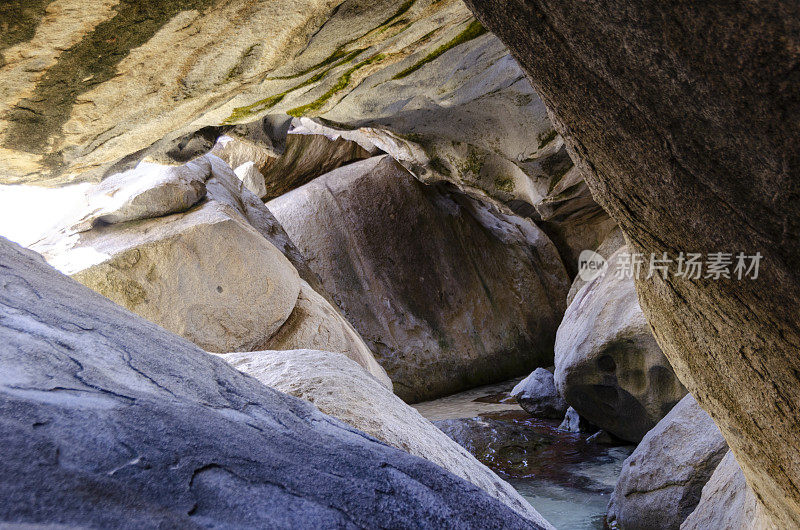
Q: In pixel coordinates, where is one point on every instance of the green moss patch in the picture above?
(504, 184)
(473, 31)
(341, 83)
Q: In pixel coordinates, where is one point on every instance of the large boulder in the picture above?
(107, 420)
(316, 324)
(727, 502)
(210, 274)
(537, 394)
(661, 482)
(205, 275)
(447, 293)
(423, 77)
(342, 389)
(303, 158)
(685, 121)
(608, 364)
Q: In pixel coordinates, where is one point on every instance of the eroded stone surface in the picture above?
(688, 135)
(110, 421)
(281, 168)
(661, 482)
(447, 293)
(608, 364)
(342, 389)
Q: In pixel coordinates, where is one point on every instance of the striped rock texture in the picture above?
(86, 85)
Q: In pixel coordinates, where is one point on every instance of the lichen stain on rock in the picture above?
(90, 62)
(20, 18)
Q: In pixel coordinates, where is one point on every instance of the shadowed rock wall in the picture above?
(686, 120)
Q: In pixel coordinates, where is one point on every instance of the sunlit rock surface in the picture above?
(87, 90)
(107, 420)
(447, 293)
(212, 274)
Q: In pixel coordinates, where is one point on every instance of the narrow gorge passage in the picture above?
(399, 264)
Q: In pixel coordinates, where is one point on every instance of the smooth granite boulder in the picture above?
(107, 420)
(339, 387)
(276, 171)
(574, 422)
(448, 293)
(608, 364)
(537, 394)
(661, 482)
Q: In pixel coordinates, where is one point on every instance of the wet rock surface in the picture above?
(564, 476)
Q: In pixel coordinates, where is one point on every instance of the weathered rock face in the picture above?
(107, 420)
(315, 323)
(608, 364)
(342, 389)
(727, 502)
(422, 78)
(688, 135)
(661, 481)
(537, 394)
(210, 274)
(304, 157)
(447, 294)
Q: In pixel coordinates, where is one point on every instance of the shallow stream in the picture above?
(567, 479)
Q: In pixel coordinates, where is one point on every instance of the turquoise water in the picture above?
(567, 479)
